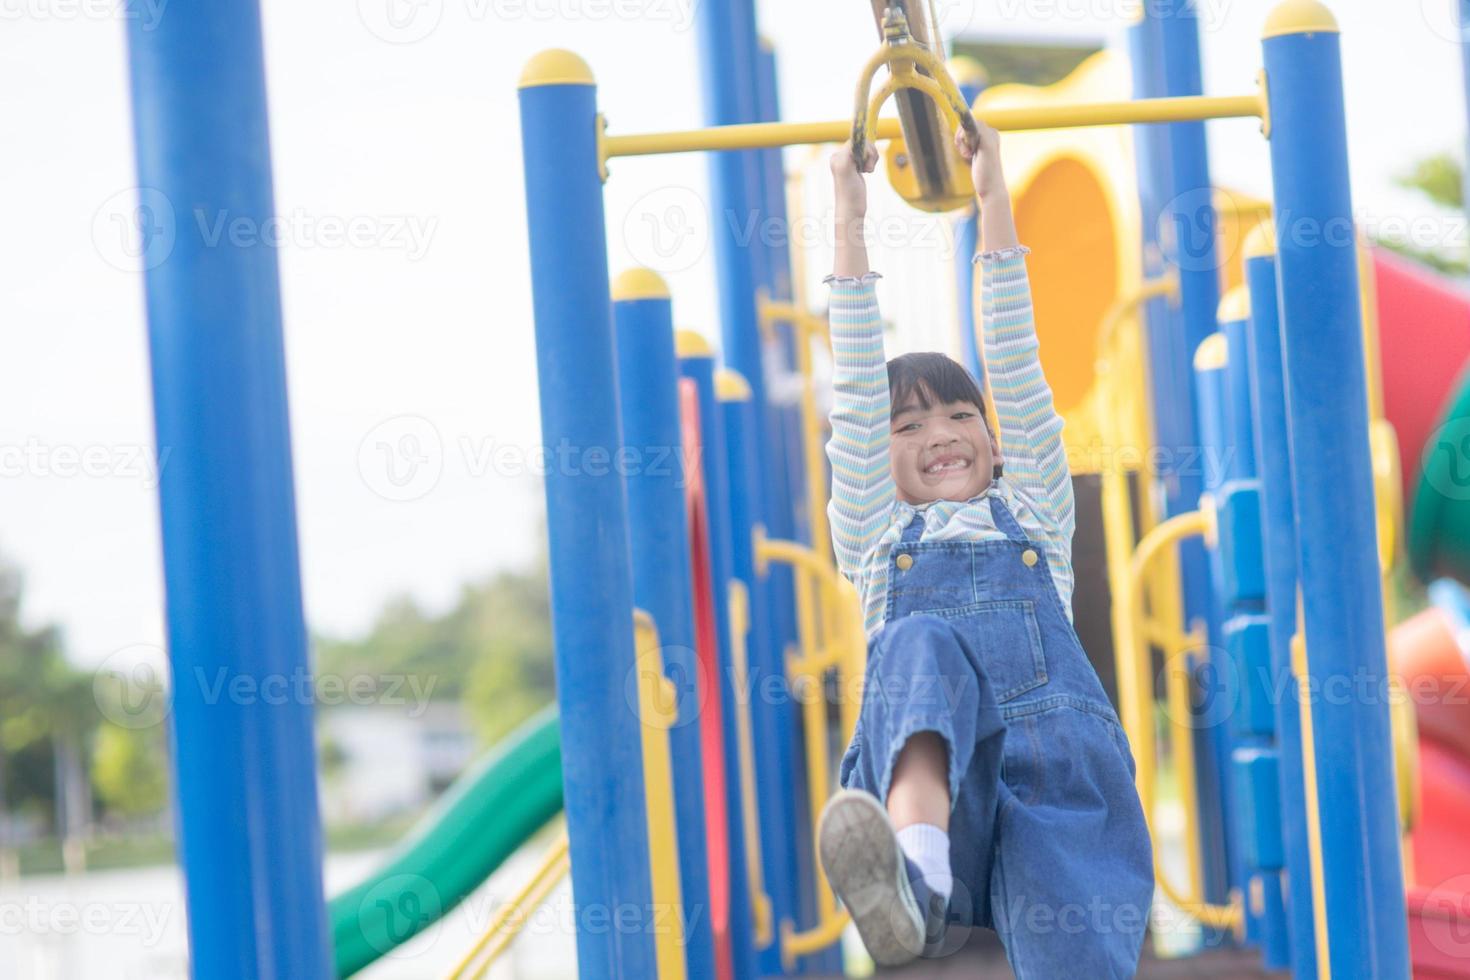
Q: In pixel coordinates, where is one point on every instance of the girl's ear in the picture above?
(996, 456)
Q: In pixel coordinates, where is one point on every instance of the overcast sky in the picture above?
(404, 272)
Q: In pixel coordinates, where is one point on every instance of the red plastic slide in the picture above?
(1423, 343)
(1425, 652)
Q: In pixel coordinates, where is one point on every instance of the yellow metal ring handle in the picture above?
(903, 55)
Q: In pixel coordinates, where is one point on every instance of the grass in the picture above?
(43, 857)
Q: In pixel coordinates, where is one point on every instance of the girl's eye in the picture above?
(963, 415)
(910, 427)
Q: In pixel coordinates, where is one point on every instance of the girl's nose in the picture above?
(942, 435)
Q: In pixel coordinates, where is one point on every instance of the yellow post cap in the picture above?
(1212, 354)
(1260, 241)
(1299, 17)
(555, 66)
(731, 386)
(639, 283)
(1234, 305)
(690, 343)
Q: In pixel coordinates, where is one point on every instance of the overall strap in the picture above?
(1005, 522)
(914, 530)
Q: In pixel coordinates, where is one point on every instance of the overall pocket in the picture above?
(1008, 640)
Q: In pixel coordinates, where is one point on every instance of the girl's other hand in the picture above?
(849, 187)
(985, 170)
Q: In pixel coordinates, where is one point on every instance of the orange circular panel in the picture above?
(1063, 215)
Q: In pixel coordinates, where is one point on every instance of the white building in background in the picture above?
(380, 761)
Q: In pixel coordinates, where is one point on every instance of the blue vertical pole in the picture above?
(1186, 230)
(772, 712)
(1278, 532)
(244, 767)
(793, 886)
(1256, 839)
(727, 46)
(587, 518)
(701, 370)
(1332, 480)
(648, 380)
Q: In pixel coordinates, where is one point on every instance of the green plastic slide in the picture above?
(1439, 522)
(489, 812)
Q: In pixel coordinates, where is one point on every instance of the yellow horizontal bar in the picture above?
(756, 136)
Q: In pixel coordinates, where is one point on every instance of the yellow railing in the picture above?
(658, 712)
(829, 628)
(760, 900)
(1135, 696)
(508, 920)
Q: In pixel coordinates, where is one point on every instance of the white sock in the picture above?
(928, 847)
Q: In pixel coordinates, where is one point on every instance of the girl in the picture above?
(988, 780)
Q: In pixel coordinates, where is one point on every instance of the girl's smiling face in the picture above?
(941, 452)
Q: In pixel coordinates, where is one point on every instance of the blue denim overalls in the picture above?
(1048, 844)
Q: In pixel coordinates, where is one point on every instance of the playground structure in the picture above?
(707, 652)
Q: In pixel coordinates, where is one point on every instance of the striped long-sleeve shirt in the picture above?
(866, 515)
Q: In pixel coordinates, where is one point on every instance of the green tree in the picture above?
(492, 650)
(46, 706)
(1441, 179)
(128, 770)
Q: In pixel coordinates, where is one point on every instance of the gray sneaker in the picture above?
(869, 873)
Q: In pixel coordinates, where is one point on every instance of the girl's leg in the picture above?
(920, 790)
(928, 747)
(930, 727)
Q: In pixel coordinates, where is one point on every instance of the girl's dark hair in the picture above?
(929, 378)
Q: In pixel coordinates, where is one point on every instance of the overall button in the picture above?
(905, 562)
(1028, 557)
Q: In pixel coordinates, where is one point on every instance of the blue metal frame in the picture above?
(1278, 532)
(700, 370)
(250, 841)
(773, 718)
(587, 521)
(648, 381)
(1332, 479)
(1175, 193)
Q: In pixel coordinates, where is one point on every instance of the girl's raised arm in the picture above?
(1030, 428)
(862, 485)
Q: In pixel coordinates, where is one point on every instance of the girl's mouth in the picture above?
(945, 464)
